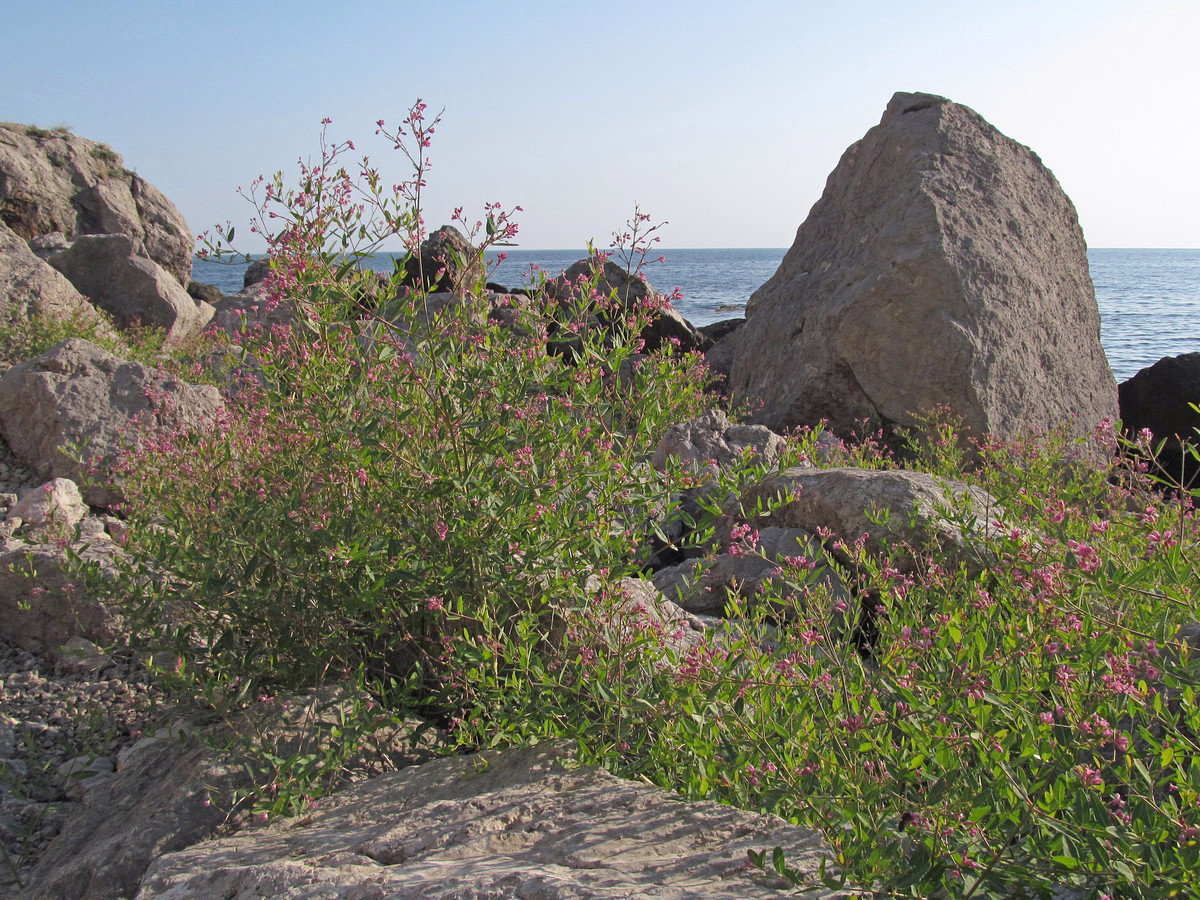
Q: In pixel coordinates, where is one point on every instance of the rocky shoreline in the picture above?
(108, 790)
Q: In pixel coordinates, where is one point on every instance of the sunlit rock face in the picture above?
(942, 266)
(57, 181)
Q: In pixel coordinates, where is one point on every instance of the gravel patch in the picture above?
(62, 728)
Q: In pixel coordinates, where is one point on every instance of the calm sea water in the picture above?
(1149, 299)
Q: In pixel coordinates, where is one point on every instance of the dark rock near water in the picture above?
(721, 338)
(204, 293)
(446, 262)
(1159, 398)
(718, 331)
(942, 266)
(617, 293)
(256, 271)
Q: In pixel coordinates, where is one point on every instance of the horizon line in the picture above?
(664, 250)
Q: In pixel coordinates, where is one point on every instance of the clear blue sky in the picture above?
(723, 120)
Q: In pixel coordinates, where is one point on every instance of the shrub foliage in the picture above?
(407, 489)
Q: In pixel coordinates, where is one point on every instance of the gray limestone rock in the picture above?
(51, 510)
(41, 606)
(522, 823)
(79, 394)
(133, 288)
(942, 266)
(906, 513)
(630, 292)
(713, 440)
(705, 588)
(29, 287)
(52, 180)
(446, 262)
(173, 789)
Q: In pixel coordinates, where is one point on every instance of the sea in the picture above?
(1149, 299)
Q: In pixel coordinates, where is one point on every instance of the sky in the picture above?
(723, 120)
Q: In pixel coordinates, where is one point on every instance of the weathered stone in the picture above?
(1160, 398)
(168, 796)
(721, 338)
(256, 271)
(523, 823)
(943, 266)
(79, 655)
(29, 287)
(41, 606)
(134, 289)
(915, 512)
(51, 511)
(54, 181)
(704, 446)
(171, 790)
(626, 292)
(642, 605)
(251, 309)
(46, 245)
(76, 394)
(204, 293)
(712, 441)
(446, 262)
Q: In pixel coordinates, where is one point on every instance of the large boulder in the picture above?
(30, 287)
(745, 569)
(55, 181)
(942, 266)
(711, 441)
(51, 511)
(522, 823)
(133, 288)
(41, 603)
(77, 395)
(256, 271)
(172, 790)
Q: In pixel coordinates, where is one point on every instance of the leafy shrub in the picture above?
(408, 493)
(404, 488)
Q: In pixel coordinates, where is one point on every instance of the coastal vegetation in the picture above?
(409, 497)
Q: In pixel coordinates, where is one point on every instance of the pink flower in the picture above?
(441, 530)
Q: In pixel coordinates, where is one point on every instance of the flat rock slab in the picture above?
(904, 514)
(522, 823)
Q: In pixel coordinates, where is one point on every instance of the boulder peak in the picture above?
(942, 267)
(52, 180)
